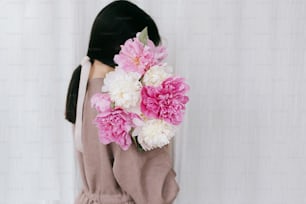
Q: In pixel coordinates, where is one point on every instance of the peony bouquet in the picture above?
(141, 101)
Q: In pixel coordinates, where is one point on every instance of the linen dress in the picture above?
(111, 175)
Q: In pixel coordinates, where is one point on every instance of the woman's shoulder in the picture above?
(95, 84)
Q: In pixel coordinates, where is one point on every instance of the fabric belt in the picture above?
(95, 198)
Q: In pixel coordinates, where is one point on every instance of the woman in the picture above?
(109, 174)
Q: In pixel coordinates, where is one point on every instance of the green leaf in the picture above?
(143, 37)
(113, 105)
(139, 147)
(135, 140)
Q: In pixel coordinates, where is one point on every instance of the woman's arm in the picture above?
(147, 176)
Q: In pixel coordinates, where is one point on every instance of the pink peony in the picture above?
(160, 52)
(101, 101)
(166, 101)
(136, 57)
(114, 126)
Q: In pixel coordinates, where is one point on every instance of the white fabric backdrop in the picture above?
(243, 139)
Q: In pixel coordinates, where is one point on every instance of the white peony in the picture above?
(155, 133)
(135, 109)
(123, 87)
(157, 74)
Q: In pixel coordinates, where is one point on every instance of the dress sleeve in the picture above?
(147, 176)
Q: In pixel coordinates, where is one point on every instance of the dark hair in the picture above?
(114, 24)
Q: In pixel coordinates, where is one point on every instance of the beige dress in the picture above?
(111, 175)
